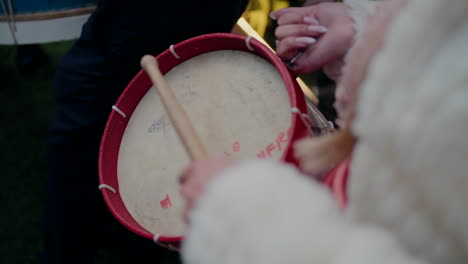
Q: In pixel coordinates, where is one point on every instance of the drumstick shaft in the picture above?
(178, 116)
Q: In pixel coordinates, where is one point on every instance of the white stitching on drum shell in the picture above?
(296, 110)
(171, 48)
(115, 108)
(107, 187)
(247, 43)
(173, 248)
(168, 246)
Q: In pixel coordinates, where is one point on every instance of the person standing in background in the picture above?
(87, 83)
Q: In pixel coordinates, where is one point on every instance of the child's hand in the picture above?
(323, 32)
(195, 177)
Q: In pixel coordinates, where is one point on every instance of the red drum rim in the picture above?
(137, 88)
(337, 180)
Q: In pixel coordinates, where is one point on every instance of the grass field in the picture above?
(26, 107)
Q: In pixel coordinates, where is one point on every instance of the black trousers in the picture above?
(87, 83)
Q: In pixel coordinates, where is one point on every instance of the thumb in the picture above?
(328, 48)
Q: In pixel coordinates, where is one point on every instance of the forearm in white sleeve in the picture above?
(360, 10)
(264, 212)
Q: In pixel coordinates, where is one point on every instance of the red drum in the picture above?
(243, 103)
(337, 181)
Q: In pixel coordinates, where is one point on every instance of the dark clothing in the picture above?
(88, 82)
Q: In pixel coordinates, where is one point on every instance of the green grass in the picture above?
(26, 108)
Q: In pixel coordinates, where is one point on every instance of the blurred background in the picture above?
(30, 50)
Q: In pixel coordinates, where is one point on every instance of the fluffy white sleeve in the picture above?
(265, 212)
(360, 10)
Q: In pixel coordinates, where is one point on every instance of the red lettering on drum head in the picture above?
(282, 137)
(278, 144)
(270, 148)
(236, 146)
(166, 202)
(280, 140)
(261, 154)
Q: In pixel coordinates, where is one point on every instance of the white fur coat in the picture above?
(408, 187)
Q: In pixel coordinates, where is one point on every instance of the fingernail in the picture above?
(305, 40)
(317, 28)
(272, 16)
(311, 20)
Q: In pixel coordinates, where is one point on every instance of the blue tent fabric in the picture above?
(38, 6)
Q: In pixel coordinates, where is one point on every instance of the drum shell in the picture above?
(137, 88)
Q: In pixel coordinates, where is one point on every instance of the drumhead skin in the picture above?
(239, 96)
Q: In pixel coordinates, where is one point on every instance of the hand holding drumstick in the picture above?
(313, 37)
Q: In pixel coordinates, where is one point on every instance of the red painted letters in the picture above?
(166, 202)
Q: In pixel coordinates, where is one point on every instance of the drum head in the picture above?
(239, 103)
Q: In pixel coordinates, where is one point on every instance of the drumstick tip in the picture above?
(147, 60)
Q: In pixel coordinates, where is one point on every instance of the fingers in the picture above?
(186, 212)
(296, 18)
(291, 46)
(317, 155)
(297, 30)
(334, 69)
(276, 15)
(330, 27)
(196, 176)
(332, 46)
(292, 38)
(314, 156)
(185, 174)
(190, 191)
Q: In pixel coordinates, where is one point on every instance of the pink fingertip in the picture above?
(311, 20)
(305, 40)
(317, 28)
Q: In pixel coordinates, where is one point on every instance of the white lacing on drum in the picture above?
(156, 238)
(171, 48)
(11, 18)
(115, 108)
(247, 43)
(305, 119)
(168, 246)
(107, 187)
(171, 247)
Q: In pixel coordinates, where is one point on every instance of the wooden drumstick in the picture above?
(178, 116)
